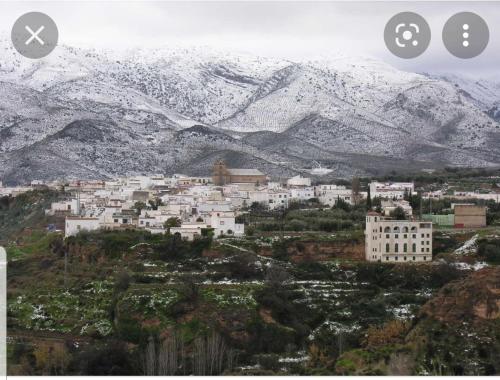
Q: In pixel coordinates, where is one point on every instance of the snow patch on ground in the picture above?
(470, 246)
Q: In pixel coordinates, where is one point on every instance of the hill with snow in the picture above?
(93, 114)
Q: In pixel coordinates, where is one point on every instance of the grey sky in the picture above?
(292, 30)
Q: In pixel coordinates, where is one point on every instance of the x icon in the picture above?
(34, 35)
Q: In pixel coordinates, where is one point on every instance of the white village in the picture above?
(193, 207)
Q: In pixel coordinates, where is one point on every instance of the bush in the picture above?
(109, 359)
(489, 251)
(392, 332)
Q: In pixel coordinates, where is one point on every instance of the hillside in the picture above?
(347, 113)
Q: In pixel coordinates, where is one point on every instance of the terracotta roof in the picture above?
(372, 213)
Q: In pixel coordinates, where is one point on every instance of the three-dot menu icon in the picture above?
(466, 35)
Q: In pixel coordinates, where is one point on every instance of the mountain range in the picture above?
(83, 113)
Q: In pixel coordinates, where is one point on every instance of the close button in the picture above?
(34, 35)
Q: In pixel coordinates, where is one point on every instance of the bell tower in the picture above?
(220, 174)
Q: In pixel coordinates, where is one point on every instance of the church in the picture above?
(222, 175)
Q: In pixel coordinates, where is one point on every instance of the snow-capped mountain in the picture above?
(483, 93)
(88, 113)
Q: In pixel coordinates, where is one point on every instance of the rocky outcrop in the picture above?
(475, 298)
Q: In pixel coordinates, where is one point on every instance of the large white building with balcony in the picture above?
(388, 240)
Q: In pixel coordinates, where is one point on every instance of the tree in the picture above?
(139, 206)
(398, 214)
(172, 222)
(356, 188)
(342, 205)
(369, 200)
(155, 204)
(257, 206)
(276, 276)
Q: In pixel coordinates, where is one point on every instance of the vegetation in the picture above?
(293, 298)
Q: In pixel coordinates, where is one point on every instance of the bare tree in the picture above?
(211, 355)
(150, 358)
(168, 356)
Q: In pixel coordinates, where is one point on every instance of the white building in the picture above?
(330, 194)
(391, 190)
(388, 206)
(302, 193)
(75, 225)
(298, 181)
(224, 223)
(189, 231)
(473, 195)
(278, 199)
(388, 240)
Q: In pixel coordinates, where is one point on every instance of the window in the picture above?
(413, 258)
(396, 229)
(414, 229)
(387, 249)
(405, 229)
(396, 236)
(414, 236)
(387, 259)
(414, 247)
(428, 235)
(423, 235)
(405, 247)
(425, 258)
(405, 236)
(396, 258)
(387, 236)
(422, 249)
(387, 229)
(404, 258)
(396, 247)
(116, 220)
(427, 249)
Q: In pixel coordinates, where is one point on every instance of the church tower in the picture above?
(220, 173)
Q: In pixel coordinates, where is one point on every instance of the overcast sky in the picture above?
(293, 30)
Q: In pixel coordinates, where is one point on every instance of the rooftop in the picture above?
(245, 172)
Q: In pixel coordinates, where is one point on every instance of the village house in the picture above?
(330, 194)
(76, 224)
(189, 231)
(388, 206)
(391, 190)
(224, 223)
(389, 240)
(302, 193)
(278, 199)
(298, 181)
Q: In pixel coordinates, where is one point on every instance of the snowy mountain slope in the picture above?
(100, 113)
(485, 94)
